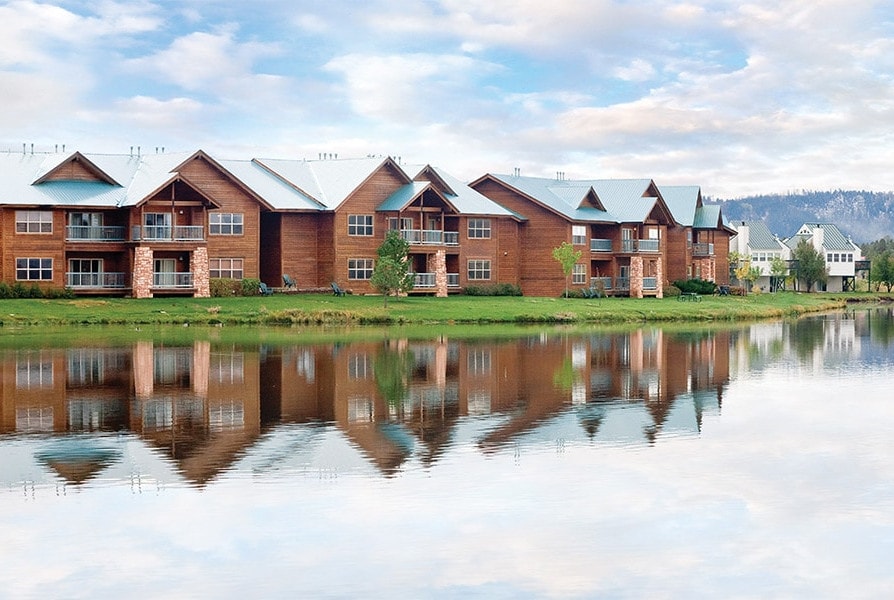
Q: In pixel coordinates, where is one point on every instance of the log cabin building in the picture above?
(634, 242)
(167, 224)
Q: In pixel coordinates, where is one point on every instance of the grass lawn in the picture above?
(303, 309)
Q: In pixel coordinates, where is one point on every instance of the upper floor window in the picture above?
(34, 221)
(360, 224)
(225, 224)
(34, 269)
(403, 224)
(479, 269)
(479, 228)
(579, 235)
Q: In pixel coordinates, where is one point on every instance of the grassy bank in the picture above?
(362, 310)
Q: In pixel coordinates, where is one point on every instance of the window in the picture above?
(34, 221)
(688, 238)
(403, 224)
(835, 257)
(478, 361)
(225, 224)
(34, 269)
(479, 269)
(479, 229)
(33, 371)
(227, 368)
(226, 268)
(579, 275)
(359, 367)
(850, 258)
(579, 235)
(829, 257)
(360, 225)
(360, 268)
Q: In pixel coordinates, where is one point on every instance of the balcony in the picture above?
(604, 283)
(600, 245)
(165, 233)
(702, 249)
(99, 280)
(622, 284)
(451, 238)
(424, 280)
(650, 284)
(453, 280)
(172, 280)
(85, 233)
(423, 236)
(634, 246)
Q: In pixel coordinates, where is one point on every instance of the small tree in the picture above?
(778, 267)
(391, 275)
(811, 266)
(883, 270)
(567, 256)
(745, 272)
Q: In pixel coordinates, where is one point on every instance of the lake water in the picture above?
(745, 461)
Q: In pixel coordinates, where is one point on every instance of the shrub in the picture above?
(696, 286)
(5, 290)
(251, 286)
(225, 288)
(59, 293)
(494, 289)
(672, 291)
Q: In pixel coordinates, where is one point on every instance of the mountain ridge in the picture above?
(863, 215)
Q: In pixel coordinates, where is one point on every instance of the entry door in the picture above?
(165, 272)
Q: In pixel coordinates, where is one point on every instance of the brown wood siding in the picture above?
(271, 249)
(73, 170)
(678, 254)
(299, 246)
(539, 273)
(32, 245)
(363, 201)
(231, 199)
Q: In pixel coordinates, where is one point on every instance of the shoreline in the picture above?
(315, 309)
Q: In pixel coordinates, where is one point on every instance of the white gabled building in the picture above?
(755, 241)
(840, 253)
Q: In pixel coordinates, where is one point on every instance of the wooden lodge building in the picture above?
(166, 224)
(635, 237)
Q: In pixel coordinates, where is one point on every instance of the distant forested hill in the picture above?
(865, 216)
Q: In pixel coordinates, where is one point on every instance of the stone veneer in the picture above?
(142, 272)
(659, 277)
(440, 268)
(201, 273)
(636, 277)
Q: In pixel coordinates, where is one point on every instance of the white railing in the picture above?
(701, 249)
(451, 238)
(95, 280)
(650, 283)
(172, 280)
(179, 233)
(452, 279)
(601, 282)
(424, 280)
(599, 245)
(92, 233)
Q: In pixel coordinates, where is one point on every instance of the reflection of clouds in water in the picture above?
(786, 493)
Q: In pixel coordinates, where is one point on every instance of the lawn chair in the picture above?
(723, 290)
(264, 289)
(336, 290)
(288, 282)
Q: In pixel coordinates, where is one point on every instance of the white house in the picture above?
(754, 240)
(839, 252)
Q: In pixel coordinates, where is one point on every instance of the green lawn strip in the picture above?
(306, 310)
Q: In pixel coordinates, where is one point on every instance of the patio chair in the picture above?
(264, 289)
(288, 282)
(723, 290)
(336, 290)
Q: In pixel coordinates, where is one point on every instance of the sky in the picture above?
(738, 97)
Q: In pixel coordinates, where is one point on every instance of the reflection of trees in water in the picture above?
(806, 335)
(392, 368)
(881, 326)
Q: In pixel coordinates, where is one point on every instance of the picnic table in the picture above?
(689, 297)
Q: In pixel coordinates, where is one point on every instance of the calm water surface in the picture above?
(751, 461)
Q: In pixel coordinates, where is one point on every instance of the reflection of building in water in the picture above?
(203, 405)
(199, 407)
